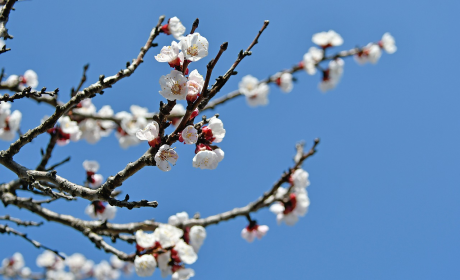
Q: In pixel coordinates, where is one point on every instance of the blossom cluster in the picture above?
(169, 248)
(9, 122)
(74, 267)
(292, 203)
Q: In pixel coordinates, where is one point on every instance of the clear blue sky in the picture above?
(384, 184)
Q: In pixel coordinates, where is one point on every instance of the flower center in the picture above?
(192, 50)
(176, 88)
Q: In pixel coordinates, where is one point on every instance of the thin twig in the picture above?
(20, 222)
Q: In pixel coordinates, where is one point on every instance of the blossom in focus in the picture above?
(167, 235)
(185, 252)
(253, 230)
(189, 135)
(388, 43)
(10, 126)
(290, 211)
(332, 75)
(150, 134)
(145, 265)
(164, 157)
(194, 46)
(170, 54)
(214, 131)
(206, 160)
(174, 27)
(67, 130)
(174, 86)
(370, 53)
(284, 81)
(101, 211)
(195, 85)
(256, 93)
(327, 39)
(311, 58)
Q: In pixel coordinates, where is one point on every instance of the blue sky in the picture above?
(384, 194)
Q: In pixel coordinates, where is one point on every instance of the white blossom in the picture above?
(5, 112)
(256, 93)
(327, 39)
(215, 131)
(167, 235)
(197, 235)
(12, 123)
(138, 111)
(129, 125)
(178, 219)
(206, 160)
(300, 179)
(220, 154)
(149, 133)
(194, 46)
(91, 166)
(186, 252)
(284, 81)
(145, 265)
(296, 207)
(145, 240)
(59, 275)
(174, 86)
(311, 58)
(250, 233)
(163, 263)
(75, 262)
(86, 106)
(195, 85)
(183, 274)
(178, 110)
(370, 53)
(176, 28)
(104, 271)
(30, 79)
(100, 211)
(388, 43)
(333, 75)
(49, 260)
(106, 126)
(70, 128)
(164, 157)
(189, 135)
(169, 54)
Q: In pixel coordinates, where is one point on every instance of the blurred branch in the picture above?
(20, 222)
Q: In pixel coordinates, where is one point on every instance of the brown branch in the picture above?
(47, 155)
(4, 16)
(261, 202)
(27, 92)
(20, 222)
(82, 81)
(90, 91)
(8, 230)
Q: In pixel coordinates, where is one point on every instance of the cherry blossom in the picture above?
(167, 235)
(92, 130)
(195, 85)
(174, 27)
(93, 179)
(10, 126)
(104, 271)
(145, 265)
(311, 59)
(300, 179)
(170, 54)
(256, 93)
(332, 75)
(284, 81)
(174, 86)
(388, 43)
(178, 219)
(290, 211)
(164, 157)
(370, 53)
(101, 211)
(214, 131)
(150, 134)
(194, 46)
(206, 160)
(5, 112)
(253, 230)
(189, 135)
(129, 125)
(75, 262)
(197, 235)
(12, 266)
(67, 130)
(183, 274)
(327, 39)
(145, 240)
(220, 154)
(50, 260)
(186, 253)
(86, 106)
